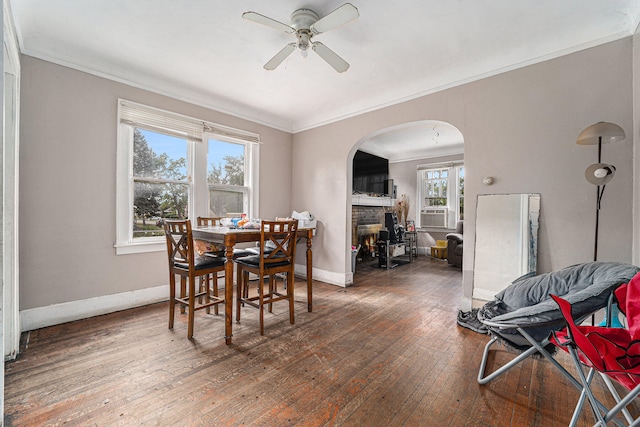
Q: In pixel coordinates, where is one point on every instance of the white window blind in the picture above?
(228, 132)
(177, 125)
(439, 165)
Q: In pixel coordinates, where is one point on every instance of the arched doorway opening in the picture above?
(408, 148)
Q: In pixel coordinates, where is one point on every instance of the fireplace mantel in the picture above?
(364, 200)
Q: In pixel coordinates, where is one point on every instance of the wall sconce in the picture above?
(487, 180)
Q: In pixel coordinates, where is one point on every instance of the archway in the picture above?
(405, 146)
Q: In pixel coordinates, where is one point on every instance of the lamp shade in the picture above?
(600, 173)
(609, 132)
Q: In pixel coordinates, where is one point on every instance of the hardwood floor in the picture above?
(384, 352)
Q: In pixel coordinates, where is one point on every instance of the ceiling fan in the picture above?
(305, 24)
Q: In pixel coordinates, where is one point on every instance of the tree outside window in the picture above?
(160, 186)
(226, 177)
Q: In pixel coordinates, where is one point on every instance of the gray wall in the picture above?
(68, 181)
(519, 127)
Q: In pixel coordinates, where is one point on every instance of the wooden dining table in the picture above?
(229, 237)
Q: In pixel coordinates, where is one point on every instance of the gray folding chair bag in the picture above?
(523, 315)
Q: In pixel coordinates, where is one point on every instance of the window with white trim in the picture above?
(227, 178)
(441, 195)
(172, 166)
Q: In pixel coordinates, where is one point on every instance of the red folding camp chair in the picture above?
(613, 352)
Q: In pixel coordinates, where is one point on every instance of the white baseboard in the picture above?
(483, 294)
(41, 317)
(330, 277)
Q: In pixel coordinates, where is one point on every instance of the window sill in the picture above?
(140, 248)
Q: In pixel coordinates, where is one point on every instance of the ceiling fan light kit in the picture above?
(305, 24)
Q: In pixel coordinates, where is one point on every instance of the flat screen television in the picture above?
(370, 174)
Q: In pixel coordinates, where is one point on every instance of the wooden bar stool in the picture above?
(281, 237)
(183, 262)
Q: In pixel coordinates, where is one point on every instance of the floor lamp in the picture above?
(600, 174)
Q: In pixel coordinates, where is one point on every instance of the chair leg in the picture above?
(616, 396)
(215, 290)
(586, 389)
(204, 287)
(624, 402)
(273, 287)
(261, 305)
(289, 283)
(172, 298)
(245, 283)
(192, 304)
(183, 291)
(245, 290)
(239, 290)
(483, 364)
(540, 346)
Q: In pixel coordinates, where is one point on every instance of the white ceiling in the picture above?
(203, 51)
(416, 140)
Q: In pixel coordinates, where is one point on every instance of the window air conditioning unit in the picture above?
(434, 218)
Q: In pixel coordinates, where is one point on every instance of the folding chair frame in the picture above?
(536, 347)
(539, 347)
(601, 414)
(604, 415)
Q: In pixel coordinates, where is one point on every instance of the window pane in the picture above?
(436, 182)
(153, 202)
(435, 201)
(159, 156)
(223, 202)
(225, 163)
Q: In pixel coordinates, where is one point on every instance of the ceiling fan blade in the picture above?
(280, 56)
(345, 13)
(264, 20)
(332, 58)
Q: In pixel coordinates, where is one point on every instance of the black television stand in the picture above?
(388, 254)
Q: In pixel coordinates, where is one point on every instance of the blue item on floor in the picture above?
(615, 320)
